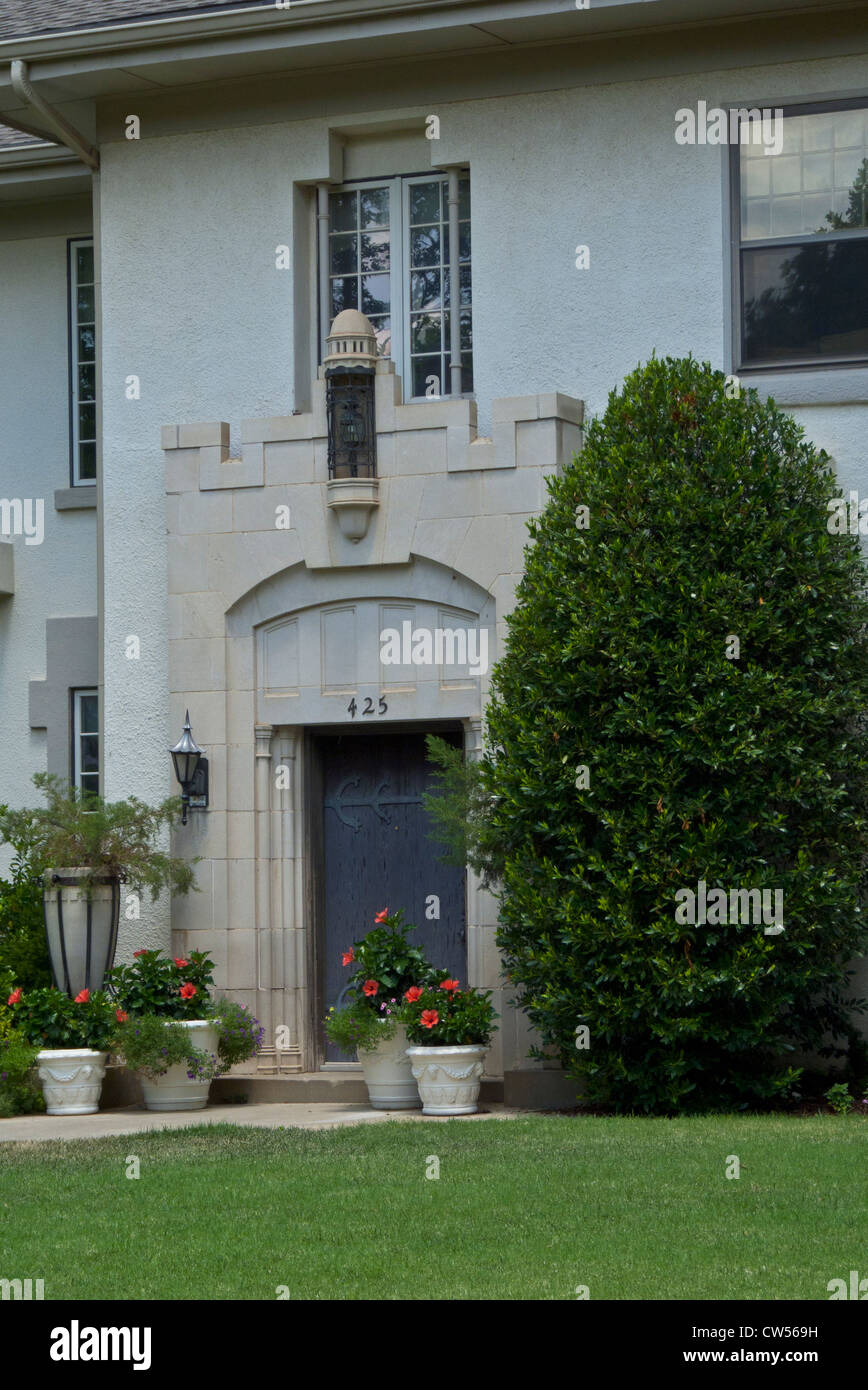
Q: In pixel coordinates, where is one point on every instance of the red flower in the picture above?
(83, 998)
(121, 1016)
(14, 997)
(143, 952)
(370, 988)
(187, 991)
(348, 957)
(381, 916)
(449, 985)
(181, 963)
(430, 1018)
(413, 993)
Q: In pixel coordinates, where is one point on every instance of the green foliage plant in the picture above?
(23, 947)
(385, 967)
(116, 839)
(631, 752)
(48, 1018)
(163, 986)
(840, 1099)
(443, 1015)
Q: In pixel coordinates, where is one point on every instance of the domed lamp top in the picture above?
(352, 343)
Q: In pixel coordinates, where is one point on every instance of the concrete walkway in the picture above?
(136, 1120)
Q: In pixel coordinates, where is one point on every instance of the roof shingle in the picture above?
(21, 18)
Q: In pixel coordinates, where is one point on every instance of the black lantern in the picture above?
(350, 370)
(191, 770)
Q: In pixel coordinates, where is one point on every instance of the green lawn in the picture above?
(524, 1208)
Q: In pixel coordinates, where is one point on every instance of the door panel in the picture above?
(376, 854)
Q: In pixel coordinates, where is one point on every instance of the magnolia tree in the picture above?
(672, 805)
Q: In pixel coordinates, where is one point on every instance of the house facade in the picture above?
(502, 208)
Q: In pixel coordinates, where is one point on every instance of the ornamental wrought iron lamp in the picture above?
(349, 369)
(191, 770)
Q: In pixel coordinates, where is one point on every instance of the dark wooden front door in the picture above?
(376, 853)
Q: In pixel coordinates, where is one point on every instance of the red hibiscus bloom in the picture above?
(348, 957)
(83, 998)
(381, 916)
(449, 985)
(121, 1016)
(14, 997)
(181, 963)
(370, 988)
(430, 1018)
(187, 991)
(413, 993)
(142, 952)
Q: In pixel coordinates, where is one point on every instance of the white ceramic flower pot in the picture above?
(175, 1090)
(448, 1077)
(81, 930)
(71, 1079)
(389, 1076)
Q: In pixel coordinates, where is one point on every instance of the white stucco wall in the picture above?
(194, 306)
(58, 577)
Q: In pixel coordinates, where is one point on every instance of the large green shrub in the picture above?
(707, 520)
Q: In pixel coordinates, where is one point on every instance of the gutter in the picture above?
(57, 124)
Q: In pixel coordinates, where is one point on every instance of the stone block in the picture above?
(169, 437)
(202, 514)
(202, 436)
(182, 470)
(518, 490)
(556, 405)
(289, 462)
(466, 456)
(187, 563)
(274, 427)
(242, 948)
(196, 664)
(239, 774)
(512, 408)
(421, 451)
(503, 434)
(451, 494)
(217, 471)
(240, 838)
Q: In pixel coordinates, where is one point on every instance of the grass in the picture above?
(528, 1208)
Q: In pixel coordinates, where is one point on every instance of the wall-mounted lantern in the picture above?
(191, 770)
(350, 371)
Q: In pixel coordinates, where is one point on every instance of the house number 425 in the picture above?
(353, 710)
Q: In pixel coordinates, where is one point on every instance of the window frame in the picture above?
(78, 733)
(739, 244)
(399, 270)
(75, 478)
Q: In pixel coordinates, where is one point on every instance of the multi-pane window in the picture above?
(389, 257)
(85, 740)
(82, 315)
(803, 255)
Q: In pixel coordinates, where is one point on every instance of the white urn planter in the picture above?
(448, 1077)
(174, 1090)
(71, 1079)
(388, 1074)
(81, 928)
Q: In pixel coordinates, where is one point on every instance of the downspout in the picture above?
(454, 288)
(60, 127)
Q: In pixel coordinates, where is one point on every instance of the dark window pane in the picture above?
(343, 251)
(425, 246)
(425, 202)
(464, 241)
(466, 330)
(342, 212)
(464, 274)
(467, 371)
(375, 251)
(375, 294)
(85, 300)
(84, 264)
(88, 710)
(86, 462)
(375, 207)
(425, 333)
(87, 422)
(463, 198)
(90, 753)
(90, 783)
(87, 382)
(425, 289)
(382, 326)
(423, 368)
(345, 293)
(86, 344)
(805, 302)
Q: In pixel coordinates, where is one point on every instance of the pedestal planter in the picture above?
(389, 1076)
(448, 1077)
(71, 1079)
(175, 1090)
(81, 929)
